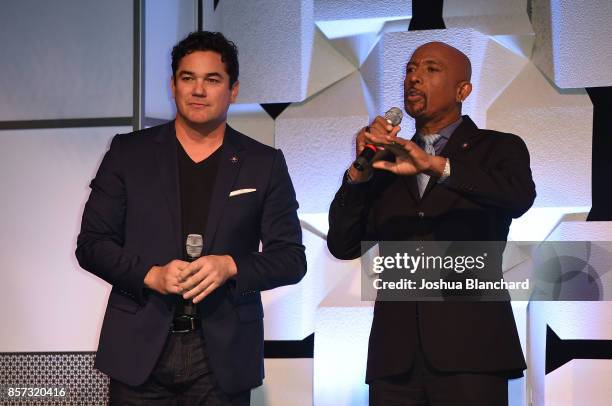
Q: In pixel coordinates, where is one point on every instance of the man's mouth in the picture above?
(413, 95)
(198, 105)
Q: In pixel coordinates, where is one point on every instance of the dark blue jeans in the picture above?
(182, 377)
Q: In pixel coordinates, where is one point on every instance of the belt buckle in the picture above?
(191, 319)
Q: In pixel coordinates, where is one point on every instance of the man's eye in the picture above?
(431, 69)
(187, 78)
(212, 80)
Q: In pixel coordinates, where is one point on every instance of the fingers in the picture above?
(207, 290)
(385, 165)
(191, 269)
(380, 125)
(360, 141)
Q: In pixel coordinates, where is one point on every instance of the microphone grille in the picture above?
(394, 116)
(194, 245)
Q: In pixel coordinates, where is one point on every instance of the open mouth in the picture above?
(413, 95)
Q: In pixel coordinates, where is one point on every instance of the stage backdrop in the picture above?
(312, 72)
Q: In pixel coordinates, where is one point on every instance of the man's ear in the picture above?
(234, 90)
(463, 91)
(173, 87)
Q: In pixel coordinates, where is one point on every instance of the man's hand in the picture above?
(410, 159)
(165, 279)
(206, 274)
(379, 129)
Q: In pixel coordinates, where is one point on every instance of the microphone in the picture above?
(394, 117)
(193, 245)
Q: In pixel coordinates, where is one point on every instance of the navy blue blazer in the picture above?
(490, 184)
(132, 221)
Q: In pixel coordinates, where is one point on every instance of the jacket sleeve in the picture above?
(348, 216)
(506, 185)
(282, 260)
(100, 241)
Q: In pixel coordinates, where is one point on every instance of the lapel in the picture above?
(453, 148)
(169, 178)
(232, 155)
(411, 182)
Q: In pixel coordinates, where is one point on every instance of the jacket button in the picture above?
(421, 214)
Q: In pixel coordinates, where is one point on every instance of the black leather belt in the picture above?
(184, 324)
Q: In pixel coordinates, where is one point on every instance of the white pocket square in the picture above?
(241, 192)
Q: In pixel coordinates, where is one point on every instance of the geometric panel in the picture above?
(557, 127)
(290, 310)
(571, 321)
(288, 382)
(275, 49)
(318, 138)
(327, 65)
(573, 46)
(166, 23)
(326, 10)
(65, 59)
(492, 17)
(580, 382)
(45, 185)
(253, 121)
(341, 343)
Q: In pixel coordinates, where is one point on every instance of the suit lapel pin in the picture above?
(465, 145)
(234, 159)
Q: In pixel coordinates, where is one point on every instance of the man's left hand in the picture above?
(410, 159)
(202, 276)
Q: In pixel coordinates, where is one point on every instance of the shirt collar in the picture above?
(447, 131)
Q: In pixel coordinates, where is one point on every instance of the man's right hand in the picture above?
(165, 279)
(379, 128)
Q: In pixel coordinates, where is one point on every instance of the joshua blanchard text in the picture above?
(468, 284)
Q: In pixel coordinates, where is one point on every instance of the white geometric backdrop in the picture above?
(335, 64)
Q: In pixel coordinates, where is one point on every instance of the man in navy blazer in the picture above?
(179, 331)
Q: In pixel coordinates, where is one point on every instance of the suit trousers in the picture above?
(424, 386)
(181, 377)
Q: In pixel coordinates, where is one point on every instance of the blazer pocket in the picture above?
(121, 302)
(250, 312)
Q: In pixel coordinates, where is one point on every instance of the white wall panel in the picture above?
(357, 9)
(65, 59)
(252, 120)
(287, 382)
(571, 321)
(573, 43)
(274, 39)
(166, 23)
(488, 16)
(318, 138)
(290, 310)
(50, 303)
(557, 128)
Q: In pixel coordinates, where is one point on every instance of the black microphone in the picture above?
(393, 117)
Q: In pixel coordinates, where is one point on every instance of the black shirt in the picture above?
(196, 183)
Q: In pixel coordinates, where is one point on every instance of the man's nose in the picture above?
(199, 89)
(413, 77)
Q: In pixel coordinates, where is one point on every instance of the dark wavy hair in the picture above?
(208, 41)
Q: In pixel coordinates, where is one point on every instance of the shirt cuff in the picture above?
(446, 172)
